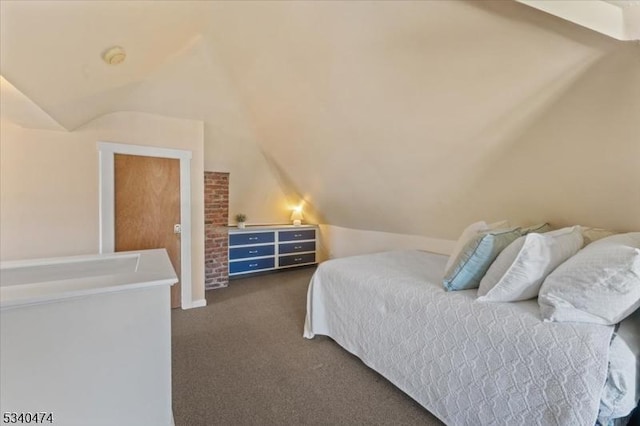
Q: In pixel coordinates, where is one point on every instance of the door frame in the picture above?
(106, 185)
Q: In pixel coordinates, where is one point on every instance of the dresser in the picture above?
(267, 248)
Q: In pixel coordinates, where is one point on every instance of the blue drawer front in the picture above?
(297, 259)
(251, 238)
(251, 265)
(297, 247)
(255, 251)
(307, 234)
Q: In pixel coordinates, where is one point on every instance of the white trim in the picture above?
(199, 303)
(619, 19)
(107, 150)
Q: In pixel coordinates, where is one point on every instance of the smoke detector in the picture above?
(114, 55)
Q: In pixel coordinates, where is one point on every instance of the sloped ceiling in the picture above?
(19, 109)
(51, 50)
(408, 117)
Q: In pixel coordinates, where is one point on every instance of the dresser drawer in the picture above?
(245, 238)
(251, 251)
(307, 234)
(251, 265)
(296, 259)
(297, 247)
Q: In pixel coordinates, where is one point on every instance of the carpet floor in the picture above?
(242, 360)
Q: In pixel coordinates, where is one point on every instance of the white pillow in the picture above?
(466, 236)
(600, 284)
(519, 270)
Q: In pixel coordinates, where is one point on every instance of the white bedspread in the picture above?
(467, 362)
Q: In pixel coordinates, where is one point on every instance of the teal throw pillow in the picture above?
(476, 257)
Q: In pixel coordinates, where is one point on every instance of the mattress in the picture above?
(466, 362)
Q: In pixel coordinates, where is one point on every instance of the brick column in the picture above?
(216, 219)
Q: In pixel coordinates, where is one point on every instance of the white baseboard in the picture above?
(198, 303)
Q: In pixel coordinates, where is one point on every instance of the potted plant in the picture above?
(241, 218)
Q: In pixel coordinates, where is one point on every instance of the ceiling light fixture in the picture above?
(114, 55)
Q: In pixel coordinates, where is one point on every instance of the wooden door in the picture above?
(147, 206)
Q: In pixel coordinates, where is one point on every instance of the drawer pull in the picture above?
(253, 238)
(297, 235)
(253, 265)
(298, 259)
(253, 251)
(297, 247)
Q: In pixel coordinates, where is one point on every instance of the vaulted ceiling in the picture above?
(382, 115)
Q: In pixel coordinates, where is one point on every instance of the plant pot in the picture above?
(241, 225)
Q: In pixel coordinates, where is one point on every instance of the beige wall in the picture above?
(253, 188)
(49, 184)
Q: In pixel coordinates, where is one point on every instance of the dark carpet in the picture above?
(242, 360)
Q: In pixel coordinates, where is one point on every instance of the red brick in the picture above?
(216, 211)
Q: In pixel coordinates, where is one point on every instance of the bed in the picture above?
(467, 362)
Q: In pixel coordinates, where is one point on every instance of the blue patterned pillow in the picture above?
(476, 257)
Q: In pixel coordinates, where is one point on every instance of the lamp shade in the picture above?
(296, 216)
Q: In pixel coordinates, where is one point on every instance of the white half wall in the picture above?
(336, 241)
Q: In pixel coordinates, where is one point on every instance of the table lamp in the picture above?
(296, 216)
